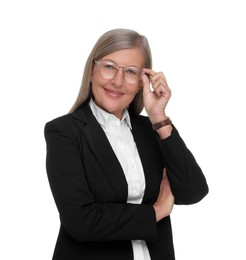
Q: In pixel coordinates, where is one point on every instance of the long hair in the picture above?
(111, 41)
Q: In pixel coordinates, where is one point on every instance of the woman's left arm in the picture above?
(187, 181)
(186, 178)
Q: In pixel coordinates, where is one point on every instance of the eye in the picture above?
(109, 66)
(131, 71)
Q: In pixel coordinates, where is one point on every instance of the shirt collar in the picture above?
(103, 117)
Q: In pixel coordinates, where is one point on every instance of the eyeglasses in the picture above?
(108, 70)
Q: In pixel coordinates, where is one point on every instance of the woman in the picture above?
(115, 174)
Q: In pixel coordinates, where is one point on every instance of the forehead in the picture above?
(126, 57)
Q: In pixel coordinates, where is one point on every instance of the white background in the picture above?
(199, 45)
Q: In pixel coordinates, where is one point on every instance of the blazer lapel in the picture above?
(102, 150)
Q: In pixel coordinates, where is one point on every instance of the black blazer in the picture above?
(90, 189)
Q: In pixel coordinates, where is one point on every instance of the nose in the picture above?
(119, 77)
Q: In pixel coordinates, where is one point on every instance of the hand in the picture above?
(164, 203)
(155, 101)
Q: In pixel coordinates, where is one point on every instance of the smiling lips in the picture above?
(113, 93)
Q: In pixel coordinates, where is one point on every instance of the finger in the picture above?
(146, 84)
(160, 79)
(160, 91)
(160, 86)
(151, 73)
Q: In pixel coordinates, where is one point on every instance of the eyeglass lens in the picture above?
(109, 69)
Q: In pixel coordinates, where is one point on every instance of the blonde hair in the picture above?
(111, 41)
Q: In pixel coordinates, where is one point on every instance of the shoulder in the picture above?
(61, 121)
(67, 121)
(69, 124)
(63, 127)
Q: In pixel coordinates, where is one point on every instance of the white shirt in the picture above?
(120, 137)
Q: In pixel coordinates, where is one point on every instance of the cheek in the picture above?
(95, 77)
(96, 90)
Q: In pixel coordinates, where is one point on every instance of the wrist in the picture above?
(162, 123)
(157, 118)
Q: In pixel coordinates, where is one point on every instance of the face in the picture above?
(114, 95)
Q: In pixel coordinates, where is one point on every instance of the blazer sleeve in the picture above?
(83, 218)
(186, 178)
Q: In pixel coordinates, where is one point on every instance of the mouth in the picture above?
(113, 93)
